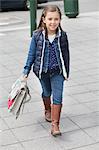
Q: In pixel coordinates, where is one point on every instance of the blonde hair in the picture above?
(48, 8)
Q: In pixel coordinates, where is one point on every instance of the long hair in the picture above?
(49, 8)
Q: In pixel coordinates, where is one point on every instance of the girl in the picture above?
(49, 55)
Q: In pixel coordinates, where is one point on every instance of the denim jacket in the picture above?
(38, 53)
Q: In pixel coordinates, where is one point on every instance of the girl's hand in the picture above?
(66, 79)
(25, 77)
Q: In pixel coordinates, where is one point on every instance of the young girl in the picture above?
(49, 55)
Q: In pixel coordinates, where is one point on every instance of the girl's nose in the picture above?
(53, 21)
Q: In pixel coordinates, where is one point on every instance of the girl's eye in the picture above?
(54, 19)
(49, 18)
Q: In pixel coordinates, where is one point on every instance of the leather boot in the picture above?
(47, 105)
(55, 116)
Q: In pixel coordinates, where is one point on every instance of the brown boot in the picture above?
(55, 116)
(47, 104)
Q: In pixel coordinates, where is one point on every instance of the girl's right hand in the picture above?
(25, 77)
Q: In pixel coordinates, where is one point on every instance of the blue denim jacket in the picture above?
(38, 53)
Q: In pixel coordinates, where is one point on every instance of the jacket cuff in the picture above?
(25, 72)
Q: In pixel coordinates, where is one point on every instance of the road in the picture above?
(18, 20)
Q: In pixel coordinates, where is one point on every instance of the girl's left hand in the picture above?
(66, 78)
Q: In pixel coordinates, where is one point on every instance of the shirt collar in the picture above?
(58, 34)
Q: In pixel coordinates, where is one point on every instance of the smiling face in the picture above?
(52, 21)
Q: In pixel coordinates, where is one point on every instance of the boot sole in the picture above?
(48, 120)
(56, 134)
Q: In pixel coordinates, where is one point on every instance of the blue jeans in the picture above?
(52, 84)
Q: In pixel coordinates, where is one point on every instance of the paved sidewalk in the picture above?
(80, 115)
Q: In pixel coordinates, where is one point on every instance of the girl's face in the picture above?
(52, 20)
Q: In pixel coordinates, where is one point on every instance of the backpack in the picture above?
(18, 96)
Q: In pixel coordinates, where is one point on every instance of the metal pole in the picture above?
(33, 15)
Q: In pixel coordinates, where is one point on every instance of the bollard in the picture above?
(71, 8)
(33, 15)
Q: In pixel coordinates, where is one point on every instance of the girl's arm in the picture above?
(31, 57)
